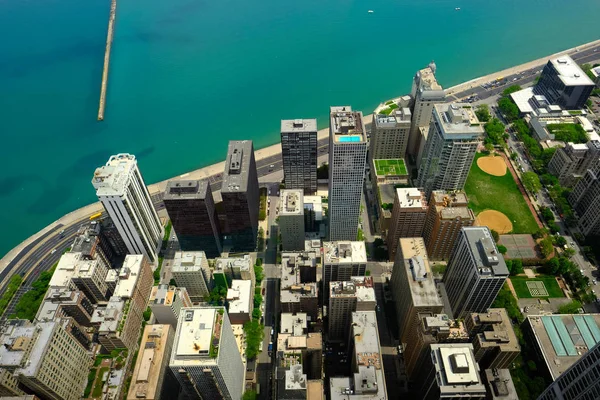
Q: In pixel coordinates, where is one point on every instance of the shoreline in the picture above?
(265, 152)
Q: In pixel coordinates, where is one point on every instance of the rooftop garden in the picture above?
(568, 132)
(390, 167)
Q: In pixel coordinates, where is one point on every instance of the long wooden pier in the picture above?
(109, 39)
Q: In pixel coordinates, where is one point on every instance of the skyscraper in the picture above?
(240, 197)
(389, 134)
(299, 154)
(585, 199)
(347, 159)
(454, 134)
(191, 208)
(581, 381)
(291, 220)
(121, 190)
(564, 83)
(476, 272)
(412, 284)
(205, 358)
(190, 270)
(448, 213)
(408, 217)
(426, 91)
(569, 164)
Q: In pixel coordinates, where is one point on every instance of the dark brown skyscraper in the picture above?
(299, 154)
(192, 211)
(240, 197)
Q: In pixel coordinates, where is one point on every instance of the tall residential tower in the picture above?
(347, 159)
(121, 190)
(299, 154)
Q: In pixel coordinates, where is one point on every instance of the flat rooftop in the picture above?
(298, 125)
(189, 261)
(569, 72)
(451, 213)
(162, 294)
(500, 384)
(292, 202)
(458, 121)
(112, 178)
(562, 339)
(449, 198)
(153, 350)
(197, 329)
(487, 258)
(411, 198)
(65, 270)
(428, 79)
(398, 118)
(128, 275)
(501, 334)
(346, 126)
(109, 317)
(360, 287)
(186, 190)
(239, 297)
(237, 166)
(295, 324)
(366, 339)
(344, 252)
(223, 264)
(457, 370)
(418, 272)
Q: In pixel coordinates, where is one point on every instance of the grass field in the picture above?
(520, 285)
(390, 167)
(500, 193)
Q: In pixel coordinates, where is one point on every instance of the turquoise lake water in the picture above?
(186, 76)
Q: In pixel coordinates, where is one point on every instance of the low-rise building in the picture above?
(296, 296)
(167, 301)
(152, 362)
(240, 299)
(303, 263)
(499, 385)
(494, 342)
(294, 340)
(229, 268)
(190, 270)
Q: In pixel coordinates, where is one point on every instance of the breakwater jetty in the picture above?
(109, 39)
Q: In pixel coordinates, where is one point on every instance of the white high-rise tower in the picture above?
(125, 197)
(347, 159)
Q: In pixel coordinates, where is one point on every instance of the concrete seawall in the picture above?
(109, 39)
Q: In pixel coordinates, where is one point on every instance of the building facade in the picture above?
(569, 163)
(408, 217)
(192, 211)
(426, 92)
(448, 213)
(121, 190)
(347, 161)
(356, 294)
(476, 272)
(299, 154)
(291, 219)
(454, 134)
(190, 270)
(389, 134)
(240, 197)
(205, 357)
(564, 83)
(585, 199)
(167, 301)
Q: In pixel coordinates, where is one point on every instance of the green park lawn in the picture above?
(520, 285)
(500, 193)
(390, 167)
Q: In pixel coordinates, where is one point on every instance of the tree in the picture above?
(254, 335)
(259, 262)
(511, 89)
(367, 273)
(502, 249)
(517, 267)
(147, 314)
(570, 308)
(495, 235)
(483, 113)
(569, 252)
(258, 274)
(509, 108)
(217, 296)
(531, 182)
(249, 395)
(489, 147)
(547, 214)
(257, 300)
(546, 246)
(560, 241)
(323, 171)
(495, 131)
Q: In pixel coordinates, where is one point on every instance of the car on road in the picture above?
(53, 251)
(269, 192)
(271, 166)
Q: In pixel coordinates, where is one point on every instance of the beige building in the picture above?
(494, 342)
(367, 381)
(291, 219)
(448, 213)
(342, 260)
(166, 302)
(295, 295)
(569, 164)
(408, 217)
(240, 299)
(236, 268)
(45, 358)
(389, 134)
(190, 270)
(152, 363)
(62, 302)
(74, 271)
(356, 294)
(412, 285)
